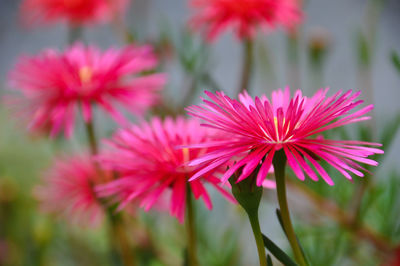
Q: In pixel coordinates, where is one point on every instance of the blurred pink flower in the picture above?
(68, 189)
(244, 16)
(75, 12)
(151, 164)
(256, 129)
(54, 85)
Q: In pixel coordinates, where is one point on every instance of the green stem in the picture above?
(279, 163)
(190, 229)
(255, 226)
(117, 236)
(247, 65)
(249, 195)
(91, 137)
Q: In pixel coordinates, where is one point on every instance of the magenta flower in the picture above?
(68, 190)
(244, 16)
(256, 129)
(55, 85)
(152, 165)
(75, 12)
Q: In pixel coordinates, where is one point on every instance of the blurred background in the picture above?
(343, 44)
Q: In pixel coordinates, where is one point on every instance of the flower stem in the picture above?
(91, 137)
(117, 236)
(255, 226)
(247, 65)
(249, 196)
(190, 230)
(279, 163)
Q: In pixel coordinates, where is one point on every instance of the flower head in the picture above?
(68, 189)
(244, 16)
(151, 164)
(54, 85)
(75, 12)
(256, 129)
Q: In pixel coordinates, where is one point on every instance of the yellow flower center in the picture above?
(185, 152)
(85, 74)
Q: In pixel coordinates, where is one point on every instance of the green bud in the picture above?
(246, 192)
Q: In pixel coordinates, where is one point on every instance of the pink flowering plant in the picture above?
(68, 189)
(150, 164)
(186, 170)
(265, 133)
(74, 12)
(55, 85)
(244, 17)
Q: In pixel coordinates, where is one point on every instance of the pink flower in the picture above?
(55, 85)
(68, 189)
(256, 129)
(151, 164)
(244, 16)
(75, 12)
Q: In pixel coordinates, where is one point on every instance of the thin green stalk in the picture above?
(249, 196)
(119, 238)
(247, 65)
(117, 234)
(279, 163)
(191, 230)
(255, 226)
(91, 137)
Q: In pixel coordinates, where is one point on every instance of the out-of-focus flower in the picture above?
(68, 190)
(151, 164)
(244, 16)
(75, 12)
(256, 129)
(54, 85)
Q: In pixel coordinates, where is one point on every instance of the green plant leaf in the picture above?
(278, 214)
(395, 60)
(278, 253)
(363, 49)
(269, 261)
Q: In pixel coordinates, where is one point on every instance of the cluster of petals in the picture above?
(153, 168)
(68, 189)
(244, 16)
(55, 85)
(74, 12)
(256, 129)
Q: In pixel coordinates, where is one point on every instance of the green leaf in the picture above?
(363, 49)
(278, 214)
(269, 261)
(278, 253)
(395, 60)
(185, 257)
